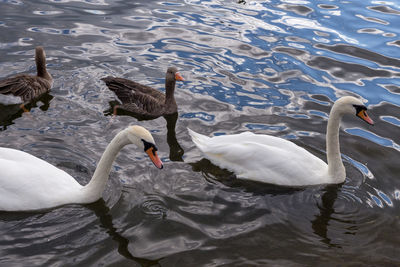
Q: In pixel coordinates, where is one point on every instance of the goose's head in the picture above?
(144, 140)
(352, 105)
(173, 74)
(39, 50)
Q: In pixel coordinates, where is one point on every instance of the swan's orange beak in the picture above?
(154, 158)
(178, 77)
(364, 116)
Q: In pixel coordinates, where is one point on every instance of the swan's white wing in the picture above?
(262, 158)
(29, 183)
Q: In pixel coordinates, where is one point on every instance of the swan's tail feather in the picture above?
(199, 139)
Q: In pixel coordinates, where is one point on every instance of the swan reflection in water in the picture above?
(325, 204)
(105, 221)
(326, 210)
(102, 212)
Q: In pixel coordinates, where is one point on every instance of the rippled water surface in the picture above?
(272, 67)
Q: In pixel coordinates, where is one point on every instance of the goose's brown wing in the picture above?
(146, 108)
(118, 85)
(25, 86)
(140, 103)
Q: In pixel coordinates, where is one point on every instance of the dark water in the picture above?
(271, 67)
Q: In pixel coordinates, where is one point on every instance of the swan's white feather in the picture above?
(262, 158)
(27, 181)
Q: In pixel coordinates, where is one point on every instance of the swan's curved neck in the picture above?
(336, 170)
(94, 189)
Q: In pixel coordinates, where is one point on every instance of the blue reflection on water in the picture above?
(384, 197)
(13, 2)
(254, 126)
(359, 166)
(381, 199)
(391, 119)
(373, 137)
(199, 115)
(376, 200)
(319, 114)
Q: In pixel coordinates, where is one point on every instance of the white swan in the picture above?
(28, 183)
(274, 160)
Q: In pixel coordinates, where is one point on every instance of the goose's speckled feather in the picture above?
(145, 100)
(28, 87)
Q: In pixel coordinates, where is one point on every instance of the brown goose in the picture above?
(144, 100)
(23, 88)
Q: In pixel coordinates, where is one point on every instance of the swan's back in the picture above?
(262, 158)
(29, 183)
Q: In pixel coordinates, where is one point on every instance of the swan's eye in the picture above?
(360, 108)
(148, 145)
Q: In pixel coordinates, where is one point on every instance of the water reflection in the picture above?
(212, 172)
(175, 150)
(102, 212)
(321, 222)
(9, 113)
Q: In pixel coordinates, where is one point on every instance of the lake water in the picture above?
(271, 67)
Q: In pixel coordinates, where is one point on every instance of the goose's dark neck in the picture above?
(169, 91)
(40, 59)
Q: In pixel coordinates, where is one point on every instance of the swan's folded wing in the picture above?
(263, 158)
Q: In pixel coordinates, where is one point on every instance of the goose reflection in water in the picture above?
(9, 113)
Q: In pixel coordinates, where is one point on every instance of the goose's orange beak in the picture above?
(178, 77)
(154, 158)
(364, 116)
